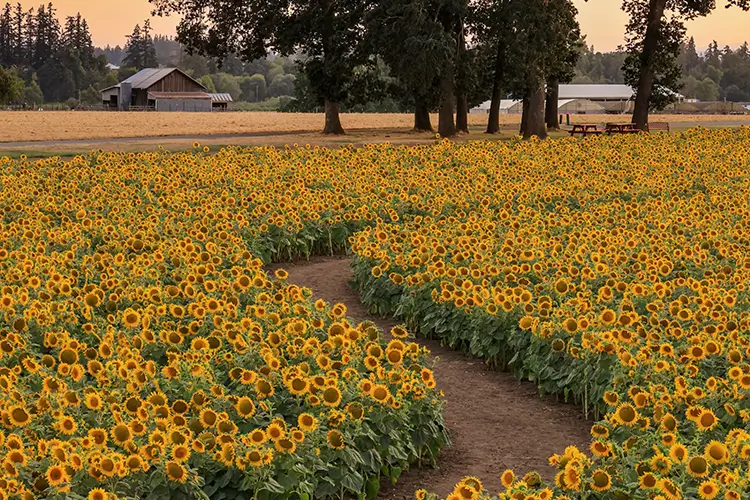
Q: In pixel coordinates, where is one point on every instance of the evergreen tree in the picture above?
(6, 36)
(140, 51)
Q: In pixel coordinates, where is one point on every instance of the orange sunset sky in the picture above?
(601, 20)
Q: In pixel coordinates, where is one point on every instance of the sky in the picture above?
(601, 21)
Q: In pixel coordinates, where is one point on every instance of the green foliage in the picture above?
(32, 94)
(253, 88)
(598, 67)
(667, 71)
(270, 104)
(207, 82)
(140, 52)
(226, 84)
(11, 86)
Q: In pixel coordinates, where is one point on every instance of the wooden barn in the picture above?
(160, 89)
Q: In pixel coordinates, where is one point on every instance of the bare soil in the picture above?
(495, 422)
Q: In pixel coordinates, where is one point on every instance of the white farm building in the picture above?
(579, 99)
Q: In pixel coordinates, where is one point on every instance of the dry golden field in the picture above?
(79, 125)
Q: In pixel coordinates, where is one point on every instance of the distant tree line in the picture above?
(45, 61)
(421, 55)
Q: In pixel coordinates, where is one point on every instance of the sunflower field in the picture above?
(145, 351)
(614, 272)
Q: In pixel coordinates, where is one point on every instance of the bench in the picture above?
(658, 127)
(585, 129)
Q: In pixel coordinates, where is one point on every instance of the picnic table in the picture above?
(622, 128)
(585, 129)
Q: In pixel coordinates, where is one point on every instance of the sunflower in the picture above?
(18, 416)
(670, 490)
(600, 480)
(335, 439)
(275, 431)
(245, 407)
(298, 386)
(648, 481)
(716, 452)
(307, 422)
(706, 420)
(626, 415)
(131, 318)
(332, 397)
(57, 475)
(98, 494)
(678, 453)
(121, 434)
(697, 466)
(254, 458)
(176, 472)
(708, 490)
(93, 401)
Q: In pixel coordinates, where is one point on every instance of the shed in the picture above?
(507, 107)
(221, 102)
(579, 106)
(134, 91)
(596, 92)
(180, 101)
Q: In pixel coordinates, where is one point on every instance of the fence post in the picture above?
(567, 118)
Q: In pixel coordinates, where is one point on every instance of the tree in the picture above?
(411, 39)
(328, 32)
(253, 88)
(32, 94)
(547, 47)
(140, 52)
(282, 85)
(494, 25)
(655, 28)
(208, 82)
(227, 84)
(11, 85)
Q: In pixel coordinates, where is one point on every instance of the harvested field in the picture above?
(78, 125)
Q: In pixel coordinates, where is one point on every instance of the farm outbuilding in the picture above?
(180, 101)
(507, 107)
(515, 107)
(173, 88)
(221, 102)
(579, 106)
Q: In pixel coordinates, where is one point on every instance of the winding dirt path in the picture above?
(495, 422)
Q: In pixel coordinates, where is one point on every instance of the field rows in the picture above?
(144, 351)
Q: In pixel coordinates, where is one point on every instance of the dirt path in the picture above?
(496, 422)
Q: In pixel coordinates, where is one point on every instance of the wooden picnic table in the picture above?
(585, 129)
(622, 128)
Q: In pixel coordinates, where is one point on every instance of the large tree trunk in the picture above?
(647, 71)
(524, 115)
(535, 119)
(550, 110)
(462, 114)
(462, 100)
(333, 121)
(493, 122)
(422, 121)
(446, 125)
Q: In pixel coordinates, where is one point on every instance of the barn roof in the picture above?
(179, 95)
(596, 91)
(147, 77)
(221, 97)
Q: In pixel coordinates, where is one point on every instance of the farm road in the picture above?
(495, 422)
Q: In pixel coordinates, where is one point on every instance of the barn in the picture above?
(160, 89)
